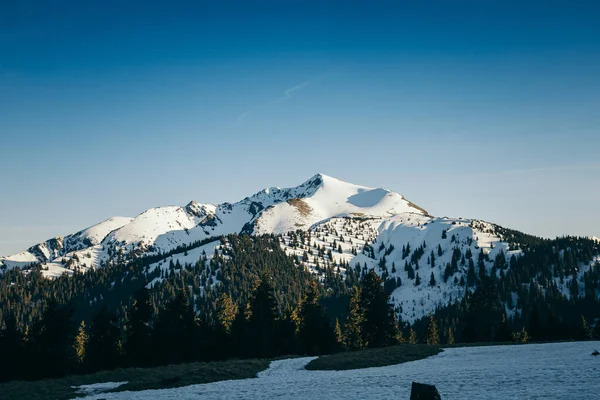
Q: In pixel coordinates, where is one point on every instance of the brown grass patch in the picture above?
(303, 208)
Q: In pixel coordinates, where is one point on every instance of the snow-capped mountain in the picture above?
(322, 223)
(52, 249)
(162, 229)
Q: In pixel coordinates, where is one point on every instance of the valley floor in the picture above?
(535, 371)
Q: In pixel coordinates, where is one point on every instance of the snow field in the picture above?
(535, 371)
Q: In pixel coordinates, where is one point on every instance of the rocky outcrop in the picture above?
(421, 391)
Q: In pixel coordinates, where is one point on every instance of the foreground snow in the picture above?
(541, 371)
(98, 387)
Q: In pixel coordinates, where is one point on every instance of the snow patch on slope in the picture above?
(365, 242)
(48, 251)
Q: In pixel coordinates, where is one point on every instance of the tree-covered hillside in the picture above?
(253, 297)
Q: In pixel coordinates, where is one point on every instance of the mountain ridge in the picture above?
(328, 227)
(161, 227)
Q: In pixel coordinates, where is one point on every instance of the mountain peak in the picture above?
(272, 210)
(318, 178)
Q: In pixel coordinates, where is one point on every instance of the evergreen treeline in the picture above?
(241, 260)
(252, 300)
(56, 345)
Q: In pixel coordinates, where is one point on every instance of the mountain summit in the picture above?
(160, 230)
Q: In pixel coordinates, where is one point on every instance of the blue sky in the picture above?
(468, 108)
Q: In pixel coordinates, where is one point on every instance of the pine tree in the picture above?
(412, 336)
(104, 342)
(449, 336)
(314, 333)
(504, 332)
(261, 322)
(399, 335)
(379, 322)
(339, 338)
(417, 280)
(353, 336)
(484, 314)
(139, 330)
(173, 333)
(535, 328)
(432, 332)
(13, 363)
(285, 333)
(51, 342)
(583, 332)
(471, 276)
(432, 280)
(80, 344)
(226, 310)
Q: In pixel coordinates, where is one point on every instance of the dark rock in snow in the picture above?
(421, 391)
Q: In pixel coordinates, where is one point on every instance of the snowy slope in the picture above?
(51, 249)
(387, 237)
(162, 229)
(343, 226)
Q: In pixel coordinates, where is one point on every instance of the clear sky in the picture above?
(485, 109)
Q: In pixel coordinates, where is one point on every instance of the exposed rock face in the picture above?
(421, 391)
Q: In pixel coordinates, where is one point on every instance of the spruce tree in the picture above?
(449, 336)
(484, 314)
(399, 334)
(417, 280)
(139, 330)
(433, 336)
(412, 336)
(535, 328)
(13, 363)
(104, 342)
(315, 336)
(353, 336)
(504, 332)
(261, 322)
(226, 310)
(379, 322)
(80, 344)
(339, 338)
(285, 333)
(583, 331)
(51, 342)
(173, 333)
(596, 331)
(471, 276)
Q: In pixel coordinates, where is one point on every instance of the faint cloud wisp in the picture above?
(287, 94)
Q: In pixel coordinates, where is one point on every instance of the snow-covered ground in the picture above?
(537, 371)
(344, 241)
(97, 387)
